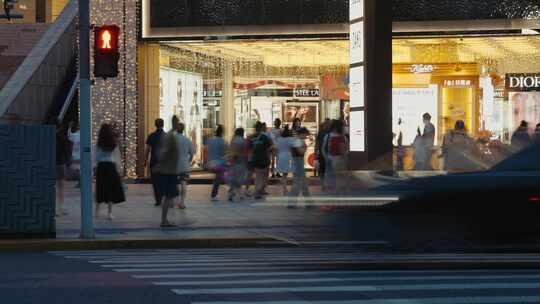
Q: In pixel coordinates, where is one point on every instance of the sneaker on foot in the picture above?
(111, 217)
(214, 199)
(181, 206)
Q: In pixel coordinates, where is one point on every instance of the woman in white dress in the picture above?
(284, 143)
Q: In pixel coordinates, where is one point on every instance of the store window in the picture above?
(466, 79)
(451, 79)
(284, 79)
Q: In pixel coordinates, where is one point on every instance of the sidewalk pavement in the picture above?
(139, 218)
(217, 224)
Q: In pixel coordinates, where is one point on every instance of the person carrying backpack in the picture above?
(261, 146)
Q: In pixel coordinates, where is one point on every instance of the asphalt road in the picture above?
(316, 274)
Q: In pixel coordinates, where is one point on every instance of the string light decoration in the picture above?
(108, 104)
(202, 58)
(500, 55)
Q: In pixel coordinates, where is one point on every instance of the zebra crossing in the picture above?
(317, 274)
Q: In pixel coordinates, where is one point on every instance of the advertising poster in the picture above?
(525, 106)
(183, 96)
(357, 132)
(408, 106)
(306, 112)
(356, 43)
(357, 87)
(261, 110)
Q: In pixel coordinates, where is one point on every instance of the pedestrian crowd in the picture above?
(248, 160)
(459, 151)
(244, 162)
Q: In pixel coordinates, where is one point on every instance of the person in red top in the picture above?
(337, 148)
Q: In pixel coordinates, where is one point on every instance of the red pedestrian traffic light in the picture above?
(106, 38)
(106, 53)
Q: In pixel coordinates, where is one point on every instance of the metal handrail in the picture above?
(69, 98)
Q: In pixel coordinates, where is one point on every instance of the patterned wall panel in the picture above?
(166, 13)
(27, 180)
(423, 10)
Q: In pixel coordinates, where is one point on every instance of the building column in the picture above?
(373, 147)
(226, 115)
(148, 84)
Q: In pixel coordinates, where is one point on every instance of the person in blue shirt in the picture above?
(153, 143)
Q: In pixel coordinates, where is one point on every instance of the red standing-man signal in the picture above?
(106, 53)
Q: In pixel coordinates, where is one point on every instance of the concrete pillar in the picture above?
(377, 88)
(226, 115)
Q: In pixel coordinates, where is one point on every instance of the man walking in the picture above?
(428, 138)
(168, 171)
(319, 149)
(186, 151)
(217, 147)
(260, 158)
(299, 170)
(275, 133)
(153, 143)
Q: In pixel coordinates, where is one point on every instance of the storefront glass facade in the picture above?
(281, 79)
(450, 78)
(217, 65)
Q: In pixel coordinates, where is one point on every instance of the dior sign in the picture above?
(523, 82)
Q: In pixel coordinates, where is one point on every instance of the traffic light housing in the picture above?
(106, 53)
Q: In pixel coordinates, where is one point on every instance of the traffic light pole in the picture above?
(87, 224)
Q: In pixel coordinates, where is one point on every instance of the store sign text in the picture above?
(499, 93)
(212, 93)
(422, 68)
(307, 92)
(523, 82)
(457, 83)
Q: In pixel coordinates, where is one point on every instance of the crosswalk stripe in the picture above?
(449, 300)
(228, 256)
(220, 251)
(284, 268)
(356, 288)
(170, 260)
(452, 273)
(211, 253)
(314, 257)
(215, 261)
(342, 279)
(241, 274)
(364, 255)
(337, 262)
(206, 269)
